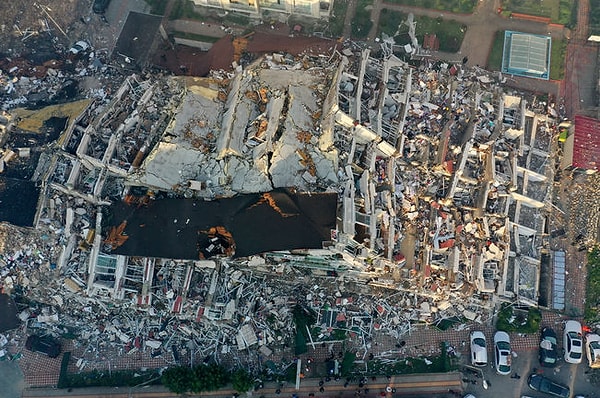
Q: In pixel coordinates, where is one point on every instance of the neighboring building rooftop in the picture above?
(306, 8)
(526, 55)
(137, 38)
(586, 146)
(180, 228)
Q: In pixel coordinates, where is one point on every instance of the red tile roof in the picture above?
(586, 146)
(431, 42)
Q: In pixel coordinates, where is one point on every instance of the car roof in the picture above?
(480, 351)
(548, 386)
(504, 359)
(572, 326)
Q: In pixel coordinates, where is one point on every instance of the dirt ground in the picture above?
(265, 43)
(183, 60)
(23, 24)
(189, 61)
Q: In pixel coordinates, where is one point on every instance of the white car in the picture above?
(592, 345)
(502, 353)
(478, 349)
(573, 342)
(79, 47)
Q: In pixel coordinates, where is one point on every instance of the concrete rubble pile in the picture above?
(49, 79)
(442, 176)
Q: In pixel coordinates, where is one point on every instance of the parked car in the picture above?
(478, 349)
(502, 353)
(44, 345)
(100, 6)
(573, 344)
(548, 343)
(543, 384)
(592, 345)
(79, 47)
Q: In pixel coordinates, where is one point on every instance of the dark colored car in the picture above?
(44, 345)
(543, 384)
(548, 352)
(100, 6)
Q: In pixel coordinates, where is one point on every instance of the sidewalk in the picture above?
(427, 384)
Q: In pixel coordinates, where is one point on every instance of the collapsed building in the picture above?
(425, 189)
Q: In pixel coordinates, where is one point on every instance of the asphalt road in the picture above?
(11, 379)
(574, 376)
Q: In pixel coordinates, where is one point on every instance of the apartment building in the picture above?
(259, 8)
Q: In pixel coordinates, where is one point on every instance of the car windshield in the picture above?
(479, 341)
(595, 345)
(550, 339)
(549, 359)
(575, 355)
(503, 345)
(504, 368)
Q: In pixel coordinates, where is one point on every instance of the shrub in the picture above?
(520, 322)
(242, 381)
(592, 302)
(182, 379)
(347, 363)
(178, 379)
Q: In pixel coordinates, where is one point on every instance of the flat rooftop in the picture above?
(526, 55)
(137, 37)
(176, 228)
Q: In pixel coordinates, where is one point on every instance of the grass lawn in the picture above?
(338, 14)
(595, 17)
(450, 33)
(557, 56)
(495, 57)
(459, 6)
(157, 7)
(361, 23)
(197, 37)
(437, 364)
(559, 11)
(557, 59)
(520, 321)
(592, 302)
(237, 19)
(184, 9)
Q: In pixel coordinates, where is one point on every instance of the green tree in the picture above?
(348, 363)
(209, 378)
(179, 379)
(242, 381)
